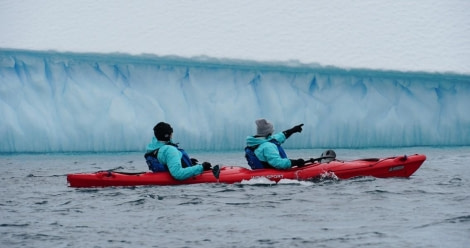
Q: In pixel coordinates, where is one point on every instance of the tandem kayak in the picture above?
(399, 166)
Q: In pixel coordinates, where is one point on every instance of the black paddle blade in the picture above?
(216, 171)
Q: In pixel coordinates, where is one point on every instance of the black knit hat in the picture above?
(163, 131)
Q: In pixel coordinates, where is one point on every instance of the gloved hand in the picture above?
(295, 129)
(206, 166)
(297, 162)
(194, 161)
(298, 128)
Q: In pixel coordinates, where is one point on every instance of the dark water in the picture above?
(430, 209)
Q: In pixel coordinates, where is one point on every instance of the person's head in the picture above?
(264, 128)
(163, 131)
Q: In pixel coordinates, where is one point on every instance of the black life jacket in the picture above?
(254, 161)
(155, 165)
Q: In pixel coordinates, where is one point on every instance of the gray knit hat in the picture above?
(263, 128)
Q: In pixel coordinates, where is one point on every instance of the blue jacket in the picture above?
(171, 157)
(268, 152)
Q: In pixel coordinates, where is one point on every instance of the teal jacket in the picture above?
(268, 152)
(171, 157)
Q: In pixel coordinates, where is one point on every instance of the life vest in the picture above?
(155, 165)
(254, 161)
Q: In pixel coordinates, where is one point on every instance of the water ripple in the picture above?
(14, 225)
(454, 220)
(41, 211)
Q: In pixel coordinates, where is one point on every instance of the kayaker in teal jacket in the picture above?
(174, 159)
(267, 147)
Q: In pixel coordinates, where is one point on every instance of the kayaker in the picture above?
(264, 149)
(163, 155)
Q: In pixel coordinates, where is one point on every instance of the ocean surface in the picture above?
(429, 209)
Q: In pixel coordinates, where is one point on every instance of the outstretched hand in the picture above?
(298, 128)
(295, 129)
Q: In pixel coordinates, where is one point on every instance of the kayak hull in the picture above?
(400, 166)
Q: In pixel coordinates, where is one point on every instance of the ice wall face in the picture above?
(52, 102)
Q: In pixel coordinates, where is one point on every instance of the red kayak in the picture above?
(400, 166)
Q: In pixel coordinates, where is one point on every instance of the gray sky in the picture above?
(421, 35)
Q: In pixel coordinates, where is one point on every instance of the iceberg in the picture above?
(84, 102)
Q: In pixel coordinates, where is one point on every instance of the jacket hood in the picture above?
(253, 141)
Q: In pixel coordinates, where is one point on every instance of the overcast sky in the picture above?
(416, 35)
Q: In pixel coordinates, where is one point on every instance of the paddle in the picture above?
(216, 172)
(115, 169)
(312, 160)
(328, 154)
(122, 172)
